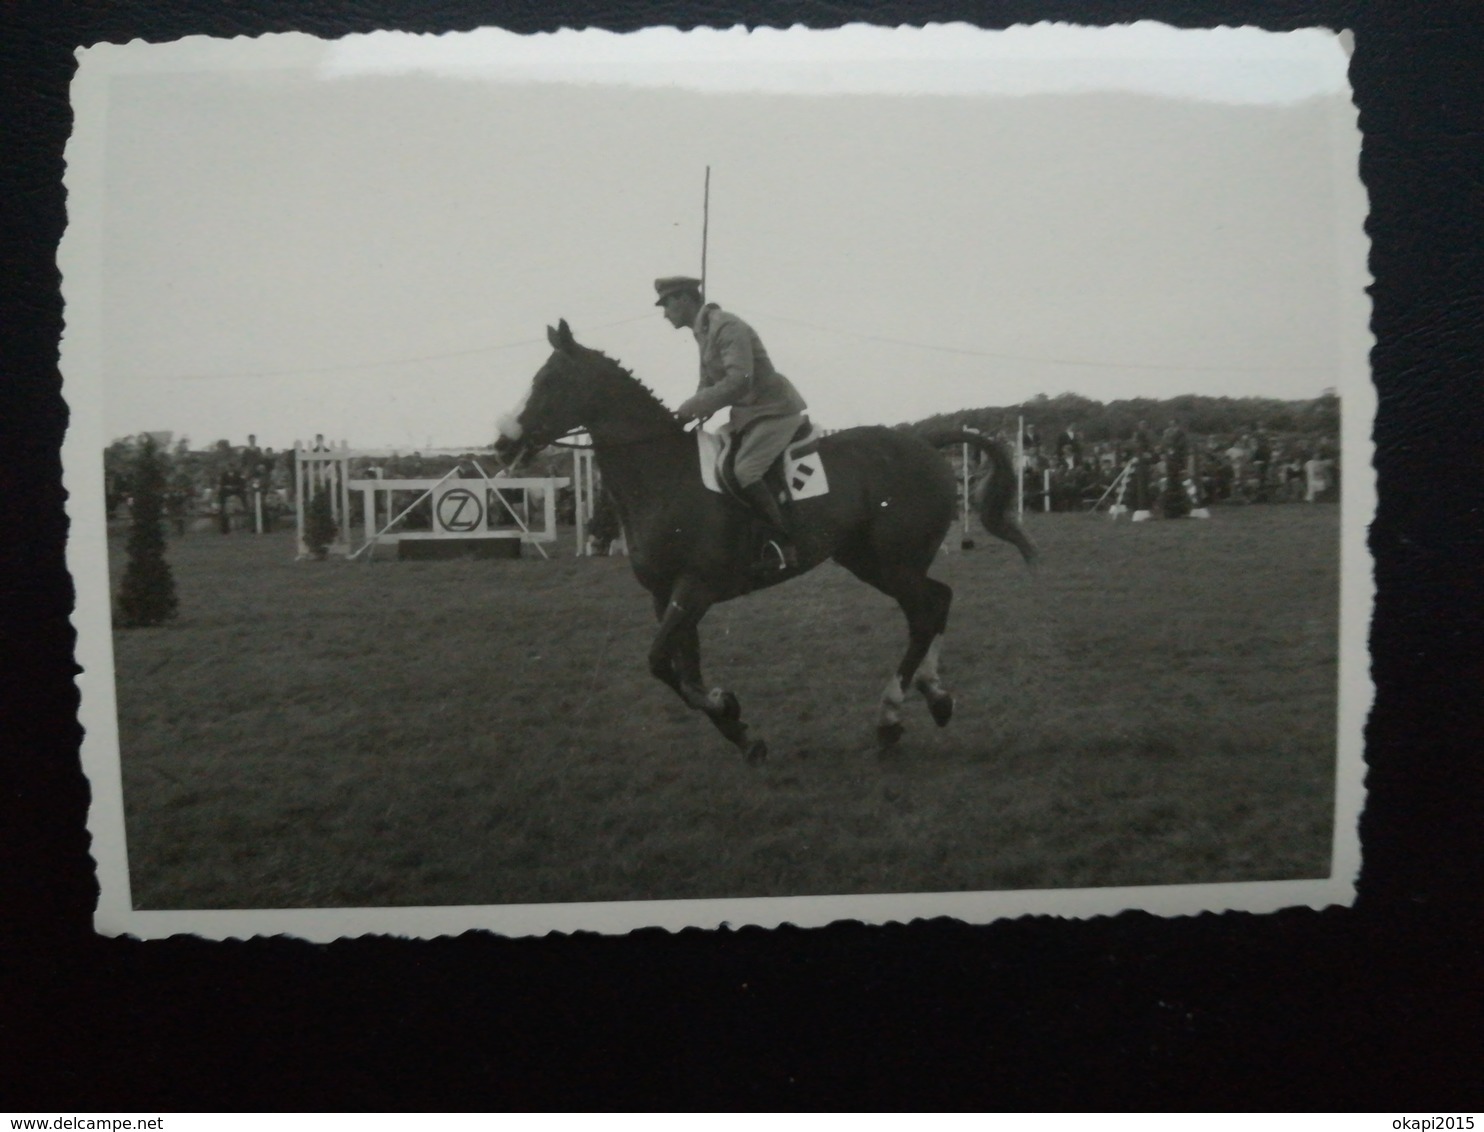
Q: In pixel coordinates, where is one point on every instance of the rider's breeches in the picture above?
(761, 443)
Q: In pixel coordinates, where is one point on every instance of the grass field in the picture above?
(1157, 706)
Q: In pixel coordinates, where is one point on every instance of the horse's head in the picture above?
(581, 388)
(557, 402)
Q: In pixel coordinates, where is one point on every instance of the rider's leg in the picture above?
(757, 449)
(768, 510)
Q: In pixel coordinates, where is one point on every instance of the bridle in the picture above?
(591, 446)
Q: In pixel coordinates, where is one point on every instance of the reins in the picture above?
(594, 445)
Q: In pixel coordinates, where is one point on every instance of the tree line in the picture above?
(1116, 420)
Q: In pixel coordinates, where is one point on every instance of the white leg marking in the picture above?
(927, 678)
(891, 702)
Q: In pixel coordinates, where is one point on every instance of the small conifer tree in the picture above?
(319, 525)
(147, 595)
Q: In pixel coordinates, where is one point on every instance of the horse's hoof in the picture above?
(730, 707)
(888, 735)
(942, 709)
(757, 753)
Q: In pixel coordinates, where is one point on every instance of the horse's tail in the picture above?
(994, 493)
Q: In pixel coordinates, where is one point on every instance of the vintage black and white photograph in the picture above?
(683, 478)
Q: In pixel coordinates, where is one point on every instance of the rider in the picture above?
(736, 371)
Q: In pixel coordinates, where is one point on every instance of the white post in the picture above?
(1046, 490)
(577, 516)
(257, 510)
(303, 551)
(966, 489)
(590, 489)
(368, 508)
(1020, 467)
(343, 467)
(1197, 498)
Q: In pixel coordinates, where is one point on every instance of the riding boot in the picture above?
(766, 506)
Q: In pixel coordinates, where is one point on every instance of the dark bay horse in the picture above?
(892, 497)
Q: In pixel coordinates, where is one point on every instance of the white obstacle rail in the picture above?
(585, 492)
(464, 503)
(461, 508)
(323, 468)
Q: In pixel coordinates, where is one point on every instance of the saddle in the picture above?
(797, 473)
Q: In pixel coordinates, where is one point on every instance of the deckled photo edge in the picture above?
(82, 367)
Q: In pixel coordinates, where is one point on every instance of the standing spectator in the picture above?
(252, 456)
(1236, 458)
(1069, 447)
(1177, 457)
(1008, 432)
(1142, 441)
(1079, 486)
(1031, 442)
(605, 528)
(230, 485)
(290, 458)
(1316, 477)
(177, 501)
(1290, 469)
(1262, 456)
(260, 488)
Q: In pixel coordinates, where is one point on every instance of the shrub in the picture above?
(319, 525)
(147, 594)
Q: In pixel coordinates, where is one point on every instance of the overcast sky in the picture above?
(367, 239)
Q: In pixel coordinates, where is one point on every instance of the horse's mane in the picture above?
(616, 371)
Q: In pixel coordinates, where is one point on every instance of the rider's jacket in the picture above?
(736, 371)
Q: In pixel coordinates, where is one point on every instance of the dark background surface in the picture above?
(1372, 1007)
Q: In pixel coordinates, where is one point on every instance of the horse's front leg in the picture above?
(675, 658)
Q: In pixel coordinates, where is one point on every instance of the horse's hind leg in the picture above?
(929, 682)
(1007, 527)
(925, 602)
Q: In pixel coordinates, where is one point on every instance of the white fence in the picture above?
(465, 503)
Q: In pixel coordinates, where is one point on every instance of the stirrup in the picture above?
(778, 559)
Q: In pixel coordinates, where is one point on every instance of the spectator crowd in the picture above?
(224, 484)
(222, 487)
(1171, 471)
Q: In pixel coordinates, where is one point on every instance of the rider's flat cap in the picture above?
(671, 283)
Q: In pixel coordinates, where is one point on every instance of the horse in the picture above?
(892, 498)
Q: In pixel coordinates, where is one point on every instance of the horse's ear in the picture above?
(553, 338)
(564, 334)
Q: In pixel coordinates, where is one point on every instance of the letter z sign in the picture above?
(459, 511)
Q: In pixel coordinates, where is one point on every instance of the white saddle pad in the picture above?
(804, 475)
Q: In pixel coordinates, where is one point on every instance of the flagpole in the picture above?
(705, 230)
